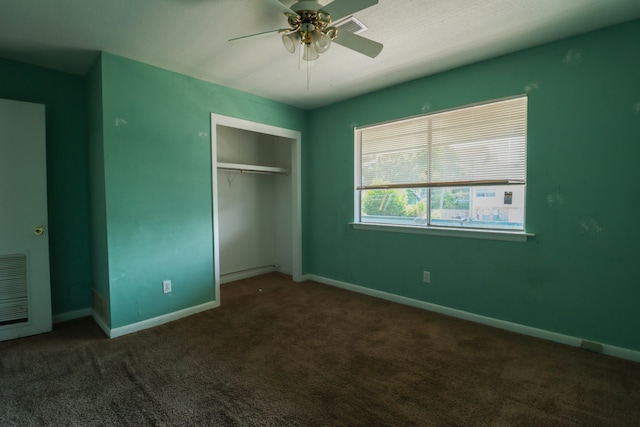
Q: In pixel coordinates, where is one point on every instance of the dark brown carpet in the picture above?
(285, 354)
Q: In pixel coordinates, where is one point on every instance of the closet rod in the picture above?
(251, 171)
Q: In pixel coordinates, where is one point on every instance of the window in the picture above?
(461, 168)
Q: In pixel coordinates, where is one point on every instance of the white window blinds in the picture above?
(481, 144)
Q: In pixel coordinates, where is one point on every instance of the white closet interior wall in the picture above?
(254, 210)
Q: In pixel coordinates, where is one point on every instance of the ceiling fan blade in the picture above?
(358, 43)
(265, 33)
(338, 9)
(284, 9)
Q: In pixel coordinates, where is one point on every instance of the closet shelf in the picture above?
(237, 167)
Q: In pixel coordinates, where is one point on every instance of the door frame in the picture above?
(296, 187)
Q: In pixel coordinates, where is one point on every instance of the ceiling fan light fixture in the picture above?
(310, 53)
(320, 41)
(290, 41)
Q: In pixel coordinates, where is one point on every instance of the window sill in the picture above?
(509, 236)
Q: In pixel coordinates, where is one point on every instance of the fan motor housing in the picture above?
(306, 5)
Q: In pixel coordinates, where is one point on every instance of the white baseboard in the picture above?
(156, 321)
(286, 271)
(101, 322)
(619, 352)
(232, 277)
(71, 315)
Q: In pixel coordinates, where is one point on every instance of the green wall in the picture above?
(64, 98)
(97, 202)
(579, 276)
(156, 150)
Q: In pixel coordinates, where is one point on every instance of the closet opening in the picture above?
(256, 199)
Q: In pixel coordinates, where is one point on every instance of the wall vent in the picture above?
(100, 306)
(352, 25)
(14, 303)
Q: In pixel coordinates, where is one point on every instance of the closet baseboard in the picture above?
(232, 277)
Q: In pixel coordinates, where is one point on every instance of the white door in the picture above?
(25, 290)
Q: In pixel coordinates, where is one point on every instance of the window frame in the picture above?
(429, 228)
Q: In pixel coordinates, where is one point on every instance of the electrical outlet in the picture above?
(166, 286)
(426, 277)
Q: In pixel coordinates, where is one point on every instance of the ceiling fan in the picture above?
(310, 26)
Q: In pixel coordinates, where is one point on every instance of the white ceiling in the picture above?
(420, 37)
